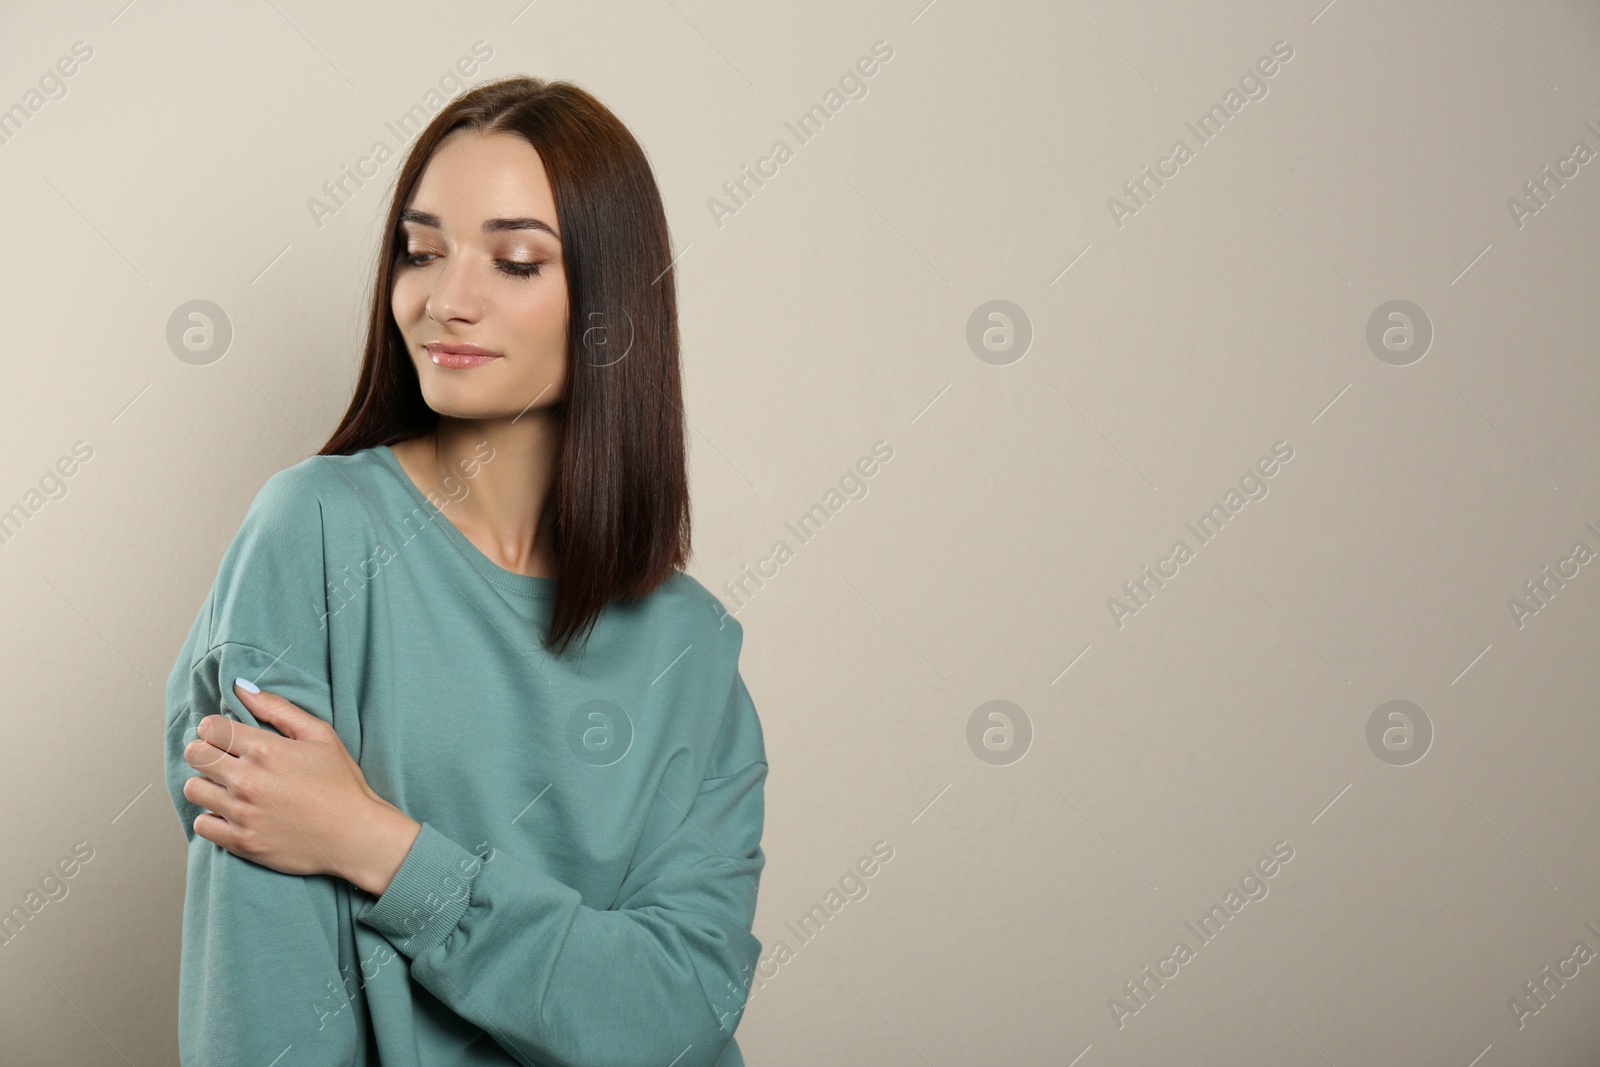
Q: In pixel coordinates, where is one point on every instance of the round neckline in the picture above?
(525, 584)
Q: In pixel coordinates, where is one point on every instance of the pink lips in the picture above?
(460, 355)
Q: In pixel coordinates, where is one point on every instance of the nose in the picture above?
(454, 294)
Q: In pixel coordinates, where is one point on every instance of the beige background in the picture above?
(1168, 354)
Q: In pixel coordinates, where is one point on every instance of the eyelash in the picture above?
(507, 266)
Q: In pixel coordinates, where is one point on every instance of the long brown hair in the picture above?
(621, 487)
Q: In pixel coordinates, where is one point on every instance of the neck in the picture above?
(494, 478)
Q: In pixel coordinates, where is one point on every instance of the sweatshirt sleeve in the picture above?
(259, 974)
(661, 977)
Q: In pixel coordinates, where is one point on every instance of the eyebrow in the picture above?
(422, 218)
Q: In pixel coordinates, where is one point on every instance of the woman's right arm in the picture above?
(260, 972)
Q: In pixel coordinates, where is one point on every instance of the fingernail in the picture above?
(246, 685)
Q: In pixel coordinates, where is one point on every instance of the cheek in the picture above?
(542, 320)
(407, 299)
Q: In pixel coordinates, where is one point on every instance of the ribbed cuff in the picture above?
(427, 896)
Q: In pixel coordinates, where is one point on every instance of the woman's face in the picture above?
(480, 269)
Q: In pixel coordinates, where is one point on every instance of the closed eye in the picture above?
(513, 267)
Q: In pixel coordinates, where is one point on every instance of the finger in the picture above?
(216, 829)
(203, 792)
(230, 735)
(216, 763)
(288, 719)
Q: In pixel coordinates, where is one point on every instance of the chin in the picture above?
(480, 403)
(467, 402)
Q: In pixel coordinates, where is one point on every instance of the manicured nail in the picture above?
(246, 685)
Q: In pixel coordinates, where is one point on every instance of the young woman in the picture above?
(427, 822)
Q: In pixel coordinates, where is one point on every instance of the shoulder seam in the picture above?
(735, 774)
(277, 658)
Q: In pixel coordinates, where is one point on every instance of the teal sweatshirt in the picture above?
(584, 884)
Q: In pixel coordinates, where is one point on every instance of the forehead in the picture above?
(473, 176)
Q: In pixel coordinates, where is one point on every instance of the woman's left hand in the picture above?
(298, 802)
